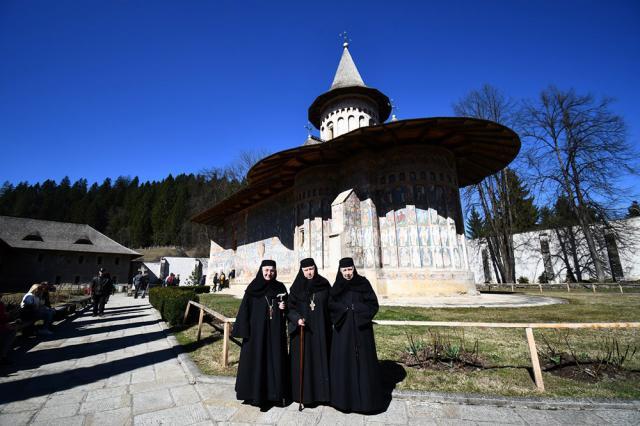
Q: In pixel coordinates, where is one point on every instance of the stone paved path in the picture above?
(120, 369)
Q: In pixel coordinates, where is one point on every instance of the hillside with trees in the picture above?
(134, 213)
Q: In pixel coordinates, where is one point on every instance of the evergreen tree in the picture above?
(634, 210)
(475, 225)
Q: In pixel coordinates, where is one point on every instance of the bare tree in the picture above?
(492, 194)
(241, 165)
(578, 150)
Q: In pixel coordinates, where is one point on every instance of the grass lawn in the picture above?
(504, 350)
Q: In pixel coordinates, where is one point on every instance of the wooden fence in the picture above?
(528, 328)
(218, 318)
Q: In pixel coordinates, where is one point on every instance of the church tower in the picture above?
(349, 104)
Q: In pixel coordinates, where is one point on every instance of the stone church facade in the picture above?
(386, 194)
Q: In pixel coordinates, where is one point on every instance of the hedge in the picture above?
(171, 302)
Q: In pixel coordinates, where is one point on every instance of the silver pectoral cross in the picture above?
(312, 305)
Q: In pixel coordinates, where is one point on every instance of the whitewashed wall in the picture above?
(529, 262)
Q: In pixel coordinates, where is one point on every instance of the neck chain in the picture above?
(312, 305)
(270, 307)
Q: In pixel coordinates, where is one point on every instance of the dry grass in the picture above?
(505, 349)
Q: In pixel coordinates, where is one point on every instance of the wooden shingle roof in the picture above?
(24, 233)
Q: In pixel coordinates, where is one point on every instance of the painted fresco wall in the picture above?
(396, 213)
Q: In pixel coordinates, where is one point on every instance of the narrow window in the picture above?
(40, 257)
(117, 261)
(58, 279)
(77, 279)
(99, 260)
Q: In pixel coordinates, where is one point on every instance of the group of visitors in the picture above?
(172, 280)
(332, 355)
(221, 281)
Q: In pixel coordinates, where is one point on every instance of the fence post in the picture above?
(568, 288)
(593, 287)
(186, 313)
(619, 285)
(537, 372)
(200, 323)
(540, 287)
(225, 344)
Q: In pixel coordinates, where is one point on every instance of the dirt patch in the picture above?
(588, 371)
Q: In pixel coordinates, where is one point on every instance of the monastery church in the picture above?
(383, 192)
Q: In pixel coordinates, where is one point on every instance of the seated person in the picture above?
(7, 335)
(32, 308)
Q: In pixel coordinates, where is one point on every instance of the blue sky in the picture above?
(96, 89)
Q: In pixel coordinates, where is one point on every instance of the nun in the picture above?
(262, 378)
(355, 375)
(310, 333)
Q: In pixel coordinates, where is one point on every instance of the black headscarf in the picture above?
(260, 287)
(302, 287)
(357, 283)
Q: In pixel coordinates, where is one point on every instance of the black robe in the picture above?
(355, 375)
(317, 337)
(263, 373)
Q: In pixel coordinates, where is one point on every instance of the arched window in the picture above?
(361, 121)
(351, 123)
(341, 127)
(330, 130)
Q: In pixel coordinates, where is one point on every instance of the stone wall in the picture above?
(531, 253)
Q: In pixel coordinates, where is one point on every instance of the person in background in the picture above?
(32, 309)
(135, 282)
(100, 290)
(216, 280)
(170, 280)
(46, 289)
(223, 281)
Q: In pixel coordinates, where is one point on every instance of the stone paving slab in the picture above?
(122, 369)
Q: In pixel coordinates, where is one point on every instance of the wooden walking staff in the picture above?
(301, 405)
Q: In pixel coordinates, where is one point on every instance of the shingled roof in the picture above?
(24, 233)
(347, 74)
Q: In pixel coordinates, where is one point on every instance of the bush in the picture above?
(171, 302)
(523, 280)
(199, 289)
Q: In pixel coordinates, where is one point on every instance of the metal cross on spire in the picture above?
(345, 39)
(308, 127)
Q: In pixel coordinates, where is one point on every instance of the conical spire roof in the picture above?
(347, 83)
(347, 74)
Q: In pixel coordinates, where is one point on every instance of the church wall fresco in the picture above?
(401, 223)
